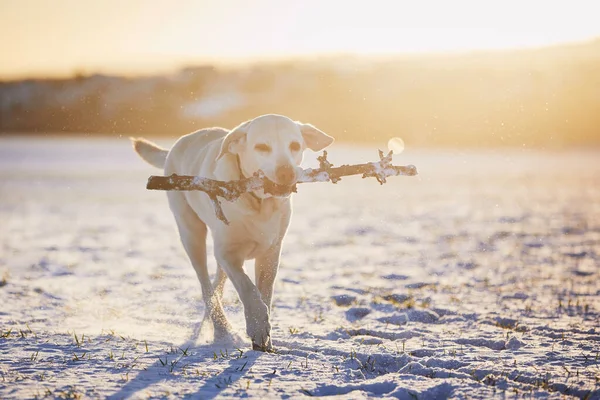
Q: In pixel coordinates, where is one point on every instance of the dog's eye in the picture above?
(295, 146)
(263, 148)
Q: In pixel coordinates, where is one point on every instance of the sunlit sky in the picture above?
(58, 37)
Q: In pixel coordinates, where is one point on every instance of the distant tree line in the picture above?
(547, 97)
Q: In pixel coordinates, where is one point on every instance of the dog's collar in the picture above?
(242, 176)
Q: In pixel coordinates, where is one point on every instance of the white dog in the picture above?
(257, 221)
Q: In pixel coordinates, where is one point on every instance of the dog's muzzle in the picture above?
(285, 175)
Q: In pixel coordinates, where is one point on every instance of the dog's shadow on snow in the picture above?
(210, 387)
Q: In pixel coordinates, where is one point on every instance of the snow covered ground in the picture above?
(477, 279)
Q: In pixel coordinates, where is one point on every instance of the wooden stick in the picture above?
(232, 190)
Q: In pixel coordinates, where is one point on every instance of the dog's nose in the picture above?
(285, 175)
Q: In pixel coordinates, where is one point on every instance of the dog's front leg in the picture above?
(258, 326)
(265, 268)
(193, 232)
(219, 282)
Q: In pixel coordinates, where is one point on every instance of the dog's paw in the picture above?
(222, 330)
(265, 349)
(258, 328)
(230, 339)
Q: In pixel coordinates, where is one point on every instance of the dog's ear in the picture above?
(315, 139)
(235, 140)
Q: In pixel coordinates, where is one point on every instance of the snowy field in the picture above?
(477, 279)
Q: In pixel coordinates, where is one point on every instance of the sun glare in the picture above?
(59, 37)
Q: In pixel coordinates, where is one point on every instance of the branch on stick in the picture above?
(232, 190)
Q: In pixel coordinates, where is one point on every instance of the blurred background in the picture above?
(435, 73)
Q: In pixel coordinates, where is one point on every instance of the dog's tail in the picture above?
(150, 152)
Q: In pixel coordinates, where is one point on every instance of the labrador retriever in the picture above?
(257, 221)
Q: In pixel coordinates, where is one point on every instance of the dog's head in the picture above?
(274, 144)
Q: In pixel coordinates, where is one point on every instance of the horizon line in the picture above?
(236, 62)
